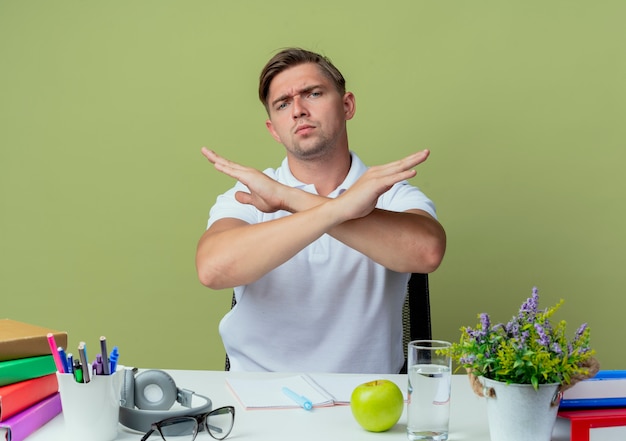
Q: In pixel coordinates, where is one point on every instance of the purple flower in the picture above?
(529, 307)
(580, 331)
(524, 336)
(485, 322)
(470, 359)
(543, 338)
(512, 328)
(521, 341)
(476, 334)
(556, 348)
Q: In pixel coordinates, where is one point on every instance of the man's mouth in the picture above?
(304, 129)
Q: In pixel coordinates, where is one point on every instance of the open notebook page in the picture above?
(268, 393)
(321, 389)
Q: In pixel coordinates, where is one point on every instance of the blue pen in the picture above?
(70, 363)
(105, 355)
(63, 358)
(302, 401)
(115, 354)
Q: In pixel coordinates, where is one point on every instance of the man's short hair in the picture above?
(291, 57)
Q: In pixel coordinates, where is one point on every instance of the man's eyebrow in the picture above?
(300, 92)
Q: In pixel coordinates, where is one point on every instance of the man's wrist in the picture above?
(297, 200)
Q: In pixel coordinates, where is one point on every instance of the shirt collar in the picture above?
(357, 168)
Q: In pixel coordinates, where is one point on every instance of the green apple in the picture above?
(377, 405)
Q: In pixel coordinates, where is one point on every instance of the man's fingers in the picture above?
(243, 197)
(402, 168)
(209, 154)
(222, 164)
(415, 159)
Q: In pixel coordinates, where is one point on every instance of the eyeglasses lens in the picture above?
(176, 429)
(220, 422)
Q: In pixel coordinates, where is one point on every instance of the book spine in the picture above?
(14, 371)
(31, 419)
(17, 397)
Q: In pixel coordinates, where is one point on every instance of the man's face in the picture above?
(306, 112)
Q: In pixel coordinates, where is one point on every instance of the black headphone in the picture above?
(147, 398)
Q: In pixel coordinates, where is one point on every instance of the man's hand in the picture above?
(266, 194)
(360, 199)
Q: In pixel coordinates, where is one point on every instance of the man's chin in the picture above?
(307, 152)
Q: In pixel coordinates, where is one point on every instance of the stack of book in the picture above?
(29, 396)
(596, 407)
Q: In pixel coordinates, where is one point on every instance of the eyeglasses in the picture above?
(218, 423)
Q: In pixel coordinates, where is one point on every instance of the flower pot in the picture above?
(518, 412)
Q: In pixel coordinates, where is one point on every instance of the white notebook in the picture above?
(321, 389)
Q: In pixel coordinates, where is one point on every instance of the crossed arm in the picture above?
(232, 252)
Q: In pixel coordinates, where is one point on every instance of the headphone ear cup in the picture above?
(128, 389)
(155, 390)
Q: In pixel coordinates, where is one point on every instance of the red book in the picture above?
(583, 421)
(16, 397)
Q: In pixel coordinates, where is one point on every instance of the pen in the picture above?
(55, 353)
(113, 359)
(104, 355)
(83, 361)
(70, 363)
(63, 359)
(302, 401)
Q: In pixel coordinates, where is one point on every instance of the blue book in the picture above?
(606, 389)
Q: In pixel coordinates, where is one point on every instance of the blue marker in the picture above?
(113, 359)
(70, 363)
(63, 358)
(302, 401)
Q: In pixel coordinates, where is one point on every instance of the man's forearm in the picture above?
(403, 242)
(408, 242)
(233, 253)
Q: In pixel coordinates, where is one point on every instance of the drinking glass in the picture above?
(429, 370)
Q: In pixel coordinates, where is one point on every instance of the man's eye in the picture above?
(281, 106)
(315, 94)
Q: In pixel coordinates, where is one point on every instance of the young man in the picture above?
(319, 250)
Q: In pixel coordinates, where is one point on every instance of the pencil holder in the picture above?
(91, 410)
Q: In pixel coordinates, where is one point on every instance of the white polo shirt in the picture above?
(329, 308)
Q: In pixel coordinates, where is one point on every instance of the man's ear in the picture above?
(349, 105)
(270, 127)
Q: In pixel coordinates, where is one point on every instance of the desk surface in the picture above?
(468, 416)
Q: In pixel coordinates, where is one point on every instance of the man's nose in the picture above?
(298, 108)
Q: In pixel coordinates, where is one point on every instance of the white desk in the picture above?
(468, 420)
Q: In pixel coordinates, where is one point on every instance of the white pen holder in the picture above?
(91, 410)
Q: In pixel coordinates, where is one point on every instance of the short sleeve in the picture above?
(226, 206)
(404, 196)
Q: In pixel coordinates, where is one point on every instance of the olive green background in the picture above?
(104, 107)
